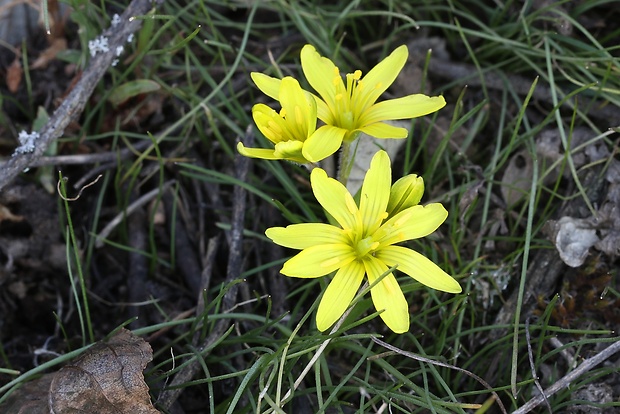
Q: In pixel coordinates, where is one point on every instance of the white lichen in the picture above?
(98, 45)
(26, 142)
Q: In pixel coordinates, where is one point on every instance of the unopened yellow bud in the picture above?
(406, 192)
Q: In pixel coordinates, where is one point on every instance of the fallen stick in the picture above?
(567, 379)
(74, 103)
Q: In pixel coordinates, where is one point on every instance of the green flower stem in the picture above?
(347, 156)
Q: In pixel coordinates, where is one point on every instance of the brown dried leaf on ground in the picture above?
(14, 75)
(106, 379)
(56, 46)
(30, 398)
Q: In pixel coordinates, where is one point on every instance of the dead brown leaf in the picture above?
(14, 75)
(5, 214)
(57, 45)
(106, 379)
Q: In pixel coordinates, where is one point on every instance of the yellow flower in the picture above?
(293, 130)
(363, 244)
(351, 105)
(352, 108)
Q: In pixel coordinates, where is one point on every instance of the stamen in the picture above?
(336, 79)
(365, 246)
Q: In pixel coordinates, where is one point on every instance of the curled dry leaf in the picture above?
(106, 379)
(573, 239)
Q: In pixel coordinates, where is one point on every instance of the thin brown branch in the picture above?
(567, 379)
(74, 103)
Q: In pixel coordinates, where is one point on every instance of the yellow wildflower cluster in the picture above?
(364, 241)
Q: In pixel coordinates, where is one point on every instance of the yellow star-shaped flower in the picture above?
(352, 106)
(364, 243)
(293, 130)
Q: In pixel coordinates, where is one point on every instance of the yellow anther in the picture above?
(357, 75)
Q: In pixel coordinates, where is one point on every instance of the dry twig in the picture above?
(567, 379)
(74, 103)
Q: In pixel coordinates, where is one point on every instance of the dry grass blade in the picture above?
(439, 364)
(530, 356)
(585, 366)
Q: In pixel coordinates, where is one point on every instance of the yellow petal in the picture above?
(338, 295)
(290, 150)
(300, 110)
(383, 130)
(266, 154)
(387, 296)
(270, 123)
(407, 107)
(381, 77)
(375, 192)
(419, 267)
(412, 223)
(267, 85)
(304, 235)
(321, 73)
(318, 261)
(335, 199)
(322, 111)
(324, 142)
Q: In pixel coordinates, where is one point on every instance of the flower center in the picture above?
(365, 246)
(345, 110)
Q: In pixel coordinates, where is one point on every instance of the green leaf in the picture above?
(127, 90)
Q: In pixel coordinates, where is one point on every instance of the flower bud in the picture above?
(405, 193)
